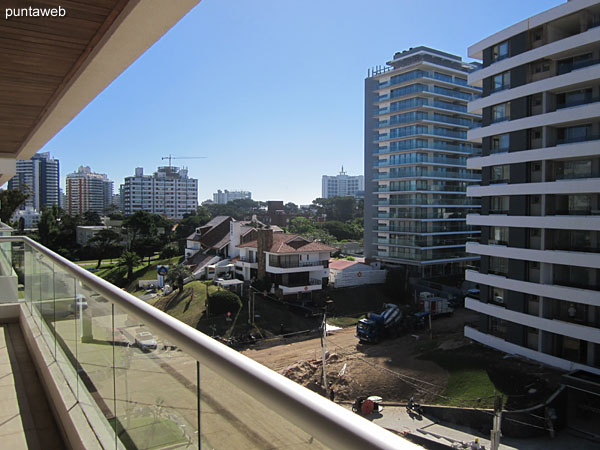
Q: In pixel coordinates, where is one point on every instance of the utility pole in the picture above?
(324, 350)
(495, 433)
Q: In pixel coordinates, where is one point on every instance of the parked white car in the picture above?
(145, 340)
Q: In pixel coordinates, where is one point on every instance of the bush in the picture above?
(224, 301)
(170, 250)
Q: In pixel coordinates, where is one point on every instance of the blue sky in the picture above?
(271, 91)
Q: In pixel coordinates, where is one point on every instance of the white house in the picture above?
(344, 273)
(290, 264)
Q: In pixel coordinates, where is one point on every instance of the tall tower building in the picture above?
(87, 191)
(38, 177)
(169, 192)
(342, 185)
(539, 278)
(416, 151)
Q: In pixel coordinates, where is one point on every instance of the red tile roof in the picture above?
(341, 264)
(291, 243)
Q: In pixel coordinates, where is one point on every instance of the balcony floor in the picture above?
(26, 421)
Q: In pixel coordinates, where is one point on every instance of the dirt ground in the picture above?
(389, 369)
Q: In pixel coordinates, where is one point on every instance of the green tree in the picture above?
(306, 228)
(336, 208)
(177, 274)
(146, 246)
(105, 242)
(291, 208)
(48, 228)
(91, 218)
(144, 224)
(129, 260)
(10, 200)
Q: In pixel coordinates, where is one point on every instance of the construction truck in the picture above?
(436, 306)
(378, 326)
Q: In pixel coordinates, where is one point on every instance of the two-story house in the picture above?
(291, 265)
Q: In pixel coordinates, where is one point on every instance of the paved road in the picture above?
(396, 418)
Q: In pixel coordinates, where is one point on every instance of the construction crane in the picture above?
(170, 157)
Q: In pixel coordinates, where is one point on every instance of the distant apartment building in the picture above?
(342, 185)
(87, 191)
(224, 197)
(416, 151)
(169, 192)
(539, 279)
(38, 177)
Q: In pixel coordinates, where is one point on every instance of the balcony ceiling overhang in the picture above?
(52, 67)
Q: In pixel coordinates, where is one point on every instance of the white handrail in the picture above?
(329, 423)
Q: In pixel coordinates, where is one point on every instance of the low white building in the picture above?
(30, 217)
(345, 273)
(290, 264)
(84, 233)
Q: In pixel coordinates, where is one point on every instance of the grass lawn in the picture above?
(145, 432)
(468, 379)
(188, 306)
(116, 274)
(345, 321)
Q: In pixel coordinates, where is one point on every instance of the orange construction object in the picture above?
(367, 407)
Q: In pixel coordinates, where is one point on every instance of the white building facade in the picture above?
(39, 178)
(342, 185)
(224, 197)
(169, 192)
(539, 278)
(416, 150)
(87, 191)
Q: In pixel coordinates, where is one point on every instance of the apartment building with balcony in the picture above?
(39, 178)
(72, 373)
(416, 151)
(87, 191)
(539, 276)
(169, 191)
(293, 267)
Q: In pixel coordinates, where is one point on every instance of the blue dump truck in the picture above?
(378, 326)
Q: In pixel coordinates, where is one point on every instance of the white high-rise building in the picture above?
(539, 278)
(87, 191)
(416, 151)
(224, 197)
(341, 185)
(169, 192)
(38, 177)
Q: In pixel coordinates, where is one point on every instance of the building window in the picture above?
(500, 174)
(532, 305)
(500, 143)
(501, 112)
(532, 338)
(500, 51)
(498, 236)
(497, 296)
(498, 266)
(573, 134)
(566, 170)
(499, 204)
(501, 81)
(497, 327)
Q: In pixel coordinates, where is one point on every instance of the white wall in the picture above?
(344, 278)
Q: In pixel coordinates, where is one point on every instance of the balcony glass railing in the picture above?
(411, 172)
(413, 75)
(574, 139)
(143, 379)
(418, 158)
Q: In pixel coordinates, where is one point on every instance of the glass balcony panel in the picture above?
(47, 305)
(66, 324)
(156, 390)
(230, 418)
